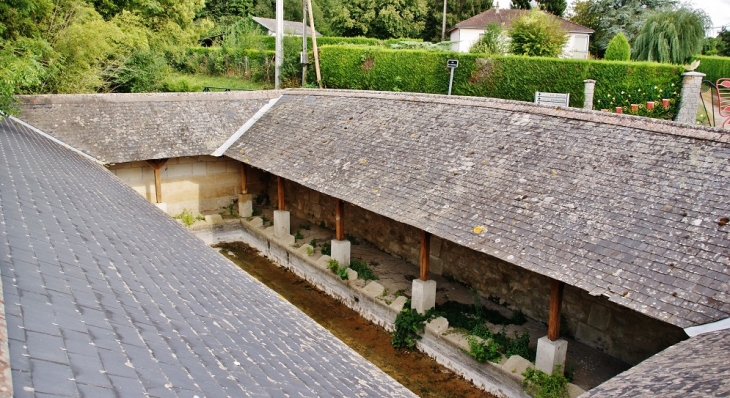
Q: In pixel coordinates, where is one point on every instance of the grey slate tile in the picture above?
(52, 378)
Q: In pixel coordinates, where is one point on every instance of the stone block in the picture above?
(341, 251)
(517, 365)
(162, 206)
(351, 274)
(458, 339)
(423, 295)
(550, 354)
(303, 249)
(398, 303)
(436, 265)
(245, 205)
(176, 170)
(374, 289)
(287, 240)
(323, 261)
(213, 219)
(269, 231)
(199, 169)
(575, 391)
(599, 317)
(438, 325)
(130, 174)
(256, 222)
(216, 167)
(282, 226)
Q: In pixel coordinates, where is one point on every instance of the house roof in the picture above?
(116, 128)
(290, 27)
(504, 19)
(106, 296)
(697, 367)
(625, 207)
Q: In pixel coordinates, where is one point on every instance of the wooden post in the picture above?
(244, 181)
(556, 301)
(425, 255)
(156, 165)
(315, 50)
(339, 219)
(280, 193)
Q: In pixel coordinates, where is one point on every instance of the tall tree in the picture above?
(555, 7)
(520, 4)
(671, 36)
(609, 17)
(382, 19)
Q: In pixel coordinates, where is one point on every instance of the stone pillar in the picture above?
(590, 87)
(341, 252)
(282, 227)
(245, 205)
(423, 295)
(551, 354)
(689, 101)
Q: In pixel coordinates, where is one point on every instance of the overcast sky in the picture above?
(718, 10)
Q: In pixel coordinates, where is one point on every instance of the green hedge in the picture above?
(509, 77)
(714, 67)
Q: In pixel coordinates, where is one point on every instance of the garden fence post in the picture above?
(590, 86)
(690, 96)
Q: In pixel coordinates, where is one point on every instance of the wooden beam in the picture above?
(244, 180)
(556, 302)
(425, 255)
(156, 165)
(280, 193)
(339, 219)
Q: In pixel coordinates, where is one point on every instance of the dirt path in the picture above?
(415, 370)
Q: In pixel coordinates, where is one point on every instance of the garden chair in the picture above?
(723, 99)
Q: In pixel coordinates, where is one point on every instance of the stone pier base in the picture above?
(162, 206)
(341, 252)
(245, 205)
(282, 226)
(423, 296)
(551, 354)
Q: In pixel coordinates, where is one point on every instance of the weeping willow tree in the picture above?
(671, 36)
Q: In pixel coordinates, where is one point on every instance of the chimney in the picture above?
(496, 8)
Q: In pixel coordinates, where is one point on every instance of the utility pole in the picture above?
(443, 24)
(304, 59)
(314, 44)
(279, 57)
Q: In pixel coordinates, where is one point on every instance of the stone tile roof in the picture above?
(106, 296)
(698, 367)
(118, 128)
(619, 206)
(504, 19)
(290, 27)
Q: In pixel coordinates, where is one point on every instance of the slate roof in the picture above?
(117, 128)
(698, 367)
(504, 19)
(619, 206)
(106, 296)
(290, 27)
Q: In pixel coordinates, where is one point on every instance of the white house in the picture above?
(465, 33)
(291, 28)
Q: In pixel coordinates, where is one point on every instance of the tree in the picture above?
(456, 11)
(618, 49)
(382, 19)
(555, 7)
(609, 17)
(671, 36)
(491, 43)
(537, 34)
(723, 42)
(520, 4)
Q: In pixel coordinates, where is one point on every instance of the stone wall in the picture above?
(201, 184)
(618, 331)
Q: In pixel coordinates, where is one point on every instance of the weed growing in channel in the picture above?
(186, 216)
(298, 235)
(363, 271)
(409, 325)
(334, 266)
(326, 248)
(538, 384)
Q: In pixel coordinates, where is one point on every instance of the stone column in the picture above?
(423, 290)
(588, 93)
(340, 245)
(689, 101)
(551, 349)
(245, 205)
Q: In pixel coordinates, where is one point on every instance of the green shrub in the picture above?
(483, 350)
(538, 384)
(536, 34)
(508, 77)
(714, 67)
(363, 270)
(618, 49)
(326, 249)
(409, 325)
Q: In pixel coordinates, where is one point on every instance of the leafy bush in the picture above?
(326, 248)
(538, 384)
(363, 270)
(491, 43)
(483, 350)
(142, 72)
(537, 35)
(618, 49)
(508, 77)
(409, 325)
(714, 67)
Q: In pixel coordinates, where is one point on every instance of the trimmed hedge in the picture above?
(509, 77)
(269, 42)
(714, 67)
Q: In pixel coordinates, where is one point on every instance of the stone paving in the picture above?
(106, 296)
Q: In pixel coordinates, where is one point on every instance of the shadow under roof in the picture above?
(106, 296)
(118, 128)
(625, 207)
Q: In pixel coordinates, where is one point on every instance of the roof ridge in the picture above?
(249, 123)
(638, 122)
(45, 99)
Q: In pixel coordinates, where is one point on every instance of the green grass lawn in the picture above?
(180, 82)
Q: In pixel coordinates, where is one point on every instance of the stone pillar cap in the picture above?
(693, 73)
(589, 81)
